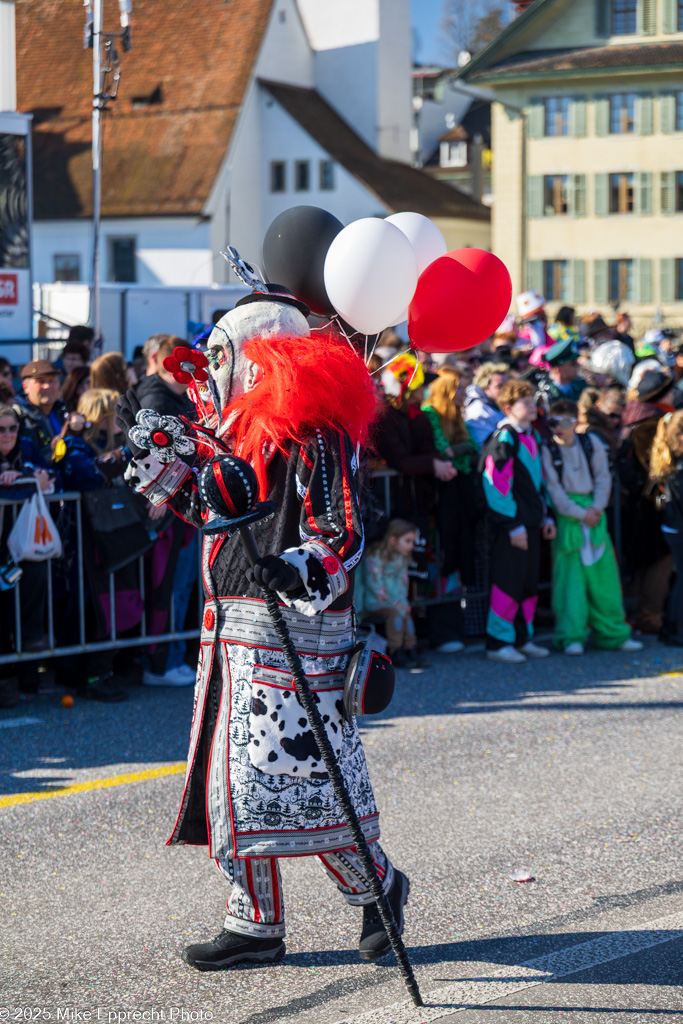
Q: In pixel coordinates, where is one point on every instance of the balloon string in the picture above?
(417, 363)
(323, 327)
(391, 361)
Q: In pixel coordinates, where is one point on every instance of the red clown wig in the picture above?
(305, 384)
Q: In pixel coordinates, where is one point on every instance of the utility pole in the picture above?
(105, 66)
(96, 163)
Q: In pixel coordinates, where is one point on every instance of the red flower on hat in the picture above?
(187, 363)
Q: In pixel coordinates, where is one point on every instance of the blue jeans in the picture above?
(183, 583)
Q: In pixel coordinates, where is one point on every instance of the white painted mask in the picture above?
(232, 372)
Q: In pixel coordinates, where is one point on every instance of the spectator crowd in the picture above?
(537, 478)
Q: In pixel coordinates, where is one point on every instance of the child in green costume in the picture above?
(586, 584)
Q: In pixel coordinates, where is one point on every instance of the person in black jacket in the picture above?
(160, 391)
(666, 470)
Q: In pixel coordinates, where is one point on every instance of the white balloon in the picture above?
(370, 274)
(427, 241)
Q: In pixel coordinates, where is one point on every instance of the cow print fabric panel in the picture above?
(281, 741)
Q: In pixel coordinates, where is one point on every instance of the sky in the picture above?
(426, 20)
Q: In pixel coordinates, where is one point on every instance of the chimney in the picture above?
(521, 5)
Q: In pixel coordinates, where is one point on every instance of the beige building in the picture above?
(588, 152)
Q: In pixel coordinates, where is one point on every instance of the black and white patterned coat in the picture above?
(256, 785)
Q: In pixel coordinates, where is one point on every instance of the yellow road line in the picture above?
(84, 787)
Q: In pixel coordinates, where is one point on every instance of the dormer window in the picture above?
(453, 154)
(624, 17)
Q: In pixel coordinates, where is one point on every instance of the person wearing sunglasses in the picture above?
(586, 584)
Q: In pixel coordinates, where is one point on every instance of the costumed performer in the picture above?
(294, 406)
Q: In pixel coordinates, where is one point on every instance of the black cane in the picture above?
(336, 778)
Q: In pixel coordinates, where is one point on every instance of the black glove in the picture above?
(273, 573)
(127, 408)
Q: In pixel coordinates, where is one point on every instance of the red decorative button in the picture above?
(330, 564)
(209, 619)
(160, 438)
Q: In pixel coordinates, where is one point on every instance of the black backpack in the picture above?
(556, 455)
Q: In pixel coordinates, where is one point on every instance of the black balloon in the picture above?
(294, 252)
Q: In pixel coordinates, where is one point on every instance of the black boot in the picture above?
(374, 941)
(228, 949)
(103, 688)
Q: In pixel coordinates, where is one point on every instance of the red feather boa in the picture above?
(305, 383)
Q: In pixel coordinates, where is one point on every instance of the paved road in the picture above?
(568, 769)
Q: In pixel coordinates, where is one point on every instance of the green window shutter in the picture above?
(600, 291)
(667, 112)
(601, 195)
(646, 17)
(602, 115)
(643, 193)
(578, 281)
(643, 281)
(668, 191)
(670, 16)
(536, 119)
(534, 195)
(667, 280)
(578, 117)
(534, 275)
(577, 195)
(644, 114)
(602, 18)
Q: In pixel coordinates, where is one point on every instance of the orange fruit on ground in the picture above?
(67, 701)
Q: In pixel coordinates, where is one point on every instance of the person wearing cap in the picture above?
(565, 381)
(586, 590)
(532, 331)
(644, 547)
(40, 408)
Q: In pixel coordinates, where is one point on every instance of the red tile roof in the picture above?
(397, 185)
(160, 159)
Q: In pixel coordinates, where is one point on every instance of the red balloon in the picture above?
(460, 300)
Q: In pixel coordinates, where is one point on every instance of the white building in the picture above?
(228, 113)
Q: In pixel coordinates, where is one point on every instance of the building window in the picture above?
(621, 281)
(326, 175)
(621, 193)
(557, 115)
(680, 16)
(453, 154)
(624, 17)
(67, 267)
(622, 113)
(278, 181)
(679, 281)
(679, 110)
(555, 280)
(302, 176)
(555, 194)
(679, 192)
(122, 260)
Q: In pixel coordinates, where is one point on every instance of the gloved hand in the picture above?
(273, 573)
(127, 408)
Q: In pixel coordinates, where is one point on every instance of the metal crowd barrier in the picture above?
(83, 646)
(381, 482)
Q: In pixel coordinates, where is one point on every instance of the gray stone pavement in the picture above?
(567, 769)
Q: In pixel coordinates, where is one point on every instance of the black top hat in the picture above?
(275, 293)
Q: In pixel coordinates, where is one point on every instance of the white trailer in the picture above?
(131, 312)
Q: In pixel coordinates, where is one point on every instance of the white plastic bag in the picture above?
(34, 536)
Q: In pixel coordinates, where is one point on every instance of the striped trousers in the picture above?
(256, 906)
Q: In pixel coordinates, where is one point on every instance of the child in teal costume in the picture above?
(586, 584)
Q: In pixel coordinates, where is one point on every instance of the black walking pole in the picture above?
(243, 476)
